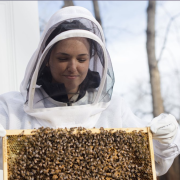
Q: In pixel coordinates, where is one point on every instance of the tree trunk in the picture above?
(96, 11)
(152, 62)
(173, 173)
(68, 3)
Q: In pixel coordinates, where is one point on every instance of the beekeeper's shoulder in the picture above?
(13, 98)
(119, 105)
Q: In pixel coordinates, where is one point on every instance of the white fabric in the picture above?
(166, 135)
(48, 112)
(2, 131)
(164, 128)
(165, 154)
(66, 116)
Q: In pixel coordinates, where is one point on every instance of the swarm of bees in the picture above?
(77, 153)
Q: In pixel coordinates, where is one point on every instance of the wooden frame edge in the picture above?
(152, 154)
(28, 131)
(4, 149)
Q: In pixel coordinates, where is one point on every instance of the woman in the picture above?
(69, 82)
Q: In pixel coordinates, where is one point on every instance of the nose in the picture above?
(72, 66)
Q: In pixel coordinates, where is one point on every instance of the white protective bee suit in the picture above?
(33, 107)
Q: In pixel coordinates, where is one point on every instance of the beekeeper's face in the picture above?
(69, 62)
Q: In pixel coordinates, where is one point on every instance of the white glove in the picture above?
(164, 128)
(2, 131)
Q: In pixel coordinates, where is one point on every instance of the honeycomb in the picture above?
(79, 153)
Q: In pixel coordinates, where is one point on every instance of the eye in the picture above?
(62, 59)
(82, 60)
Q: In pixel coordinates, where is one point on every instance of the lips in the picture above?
(71, 76)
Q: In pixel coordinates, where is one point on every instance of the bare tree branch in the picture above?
(166, 35)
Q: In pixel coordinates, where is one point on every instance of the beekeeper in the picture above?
(69, 83)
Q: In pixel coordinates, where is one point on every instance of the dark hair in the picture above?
(66, 26)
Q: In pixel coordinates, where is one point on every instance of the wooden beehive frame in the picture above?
(29, 132)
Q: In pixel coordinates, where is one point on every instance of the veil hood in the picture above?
(60, 16)
(100, 97)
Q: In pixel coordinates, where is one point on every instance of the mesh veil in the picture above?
(94, 74)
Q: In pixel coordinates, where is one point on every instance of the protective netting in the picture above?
(79, 154)
(85, 24)
(90, 85)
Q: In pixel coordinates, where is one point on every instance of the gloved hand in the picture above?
(2, 131)
(164, 128)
